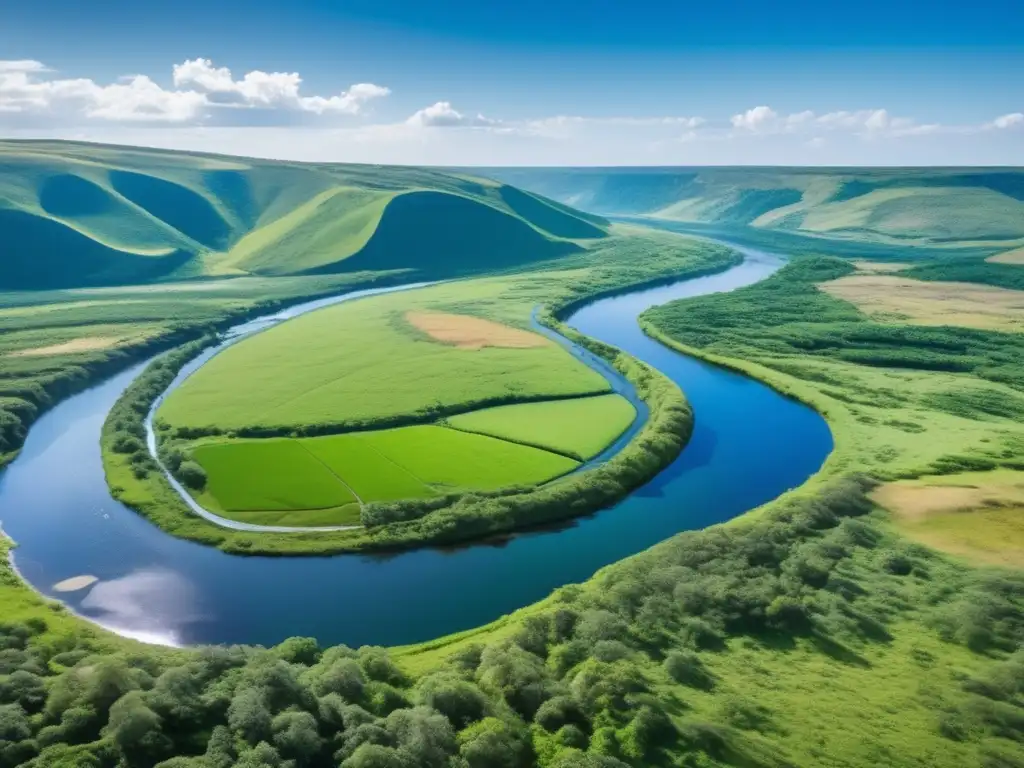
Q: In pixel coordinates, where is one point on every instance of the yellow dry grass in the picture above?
(932, 303)
(877, 267)
(468, 332)
(84, 344)
(978, 516)
(1015, 256)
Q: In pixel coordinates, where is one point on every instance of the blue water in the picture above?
(749, 445)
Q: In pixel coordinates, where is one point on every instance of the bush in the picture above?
(192, 475)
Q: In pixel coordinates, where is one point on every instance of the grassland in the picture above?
(364, 363)
(932, 303)
(975, 515)
(580, 428)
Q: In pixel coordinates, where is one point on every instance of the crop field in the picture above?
(449, 459)
(365, 363)
(333, 474)
(267, 475)
(581, 428)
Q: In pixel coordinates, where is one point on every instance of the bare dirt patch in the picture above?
(85, 344)
(1015, 256)
(969, 305)
(468, 332)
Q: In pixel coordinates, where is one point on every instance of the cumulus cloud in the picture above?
(755, 119)
(269, 89)
(1011, 120)
(443, 115)
(26, 86)
(864, 122)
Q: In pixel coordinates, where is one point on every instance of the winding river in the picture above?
(749, 445)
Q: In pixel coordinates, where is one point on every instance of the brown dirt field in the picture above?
(85, 344)
(878, 267)
(926, 303)
(468, 332)
(1015, 256)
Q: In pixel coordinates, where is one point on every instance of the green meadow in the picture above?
(333, 475)
(363, 363)
(580, 428)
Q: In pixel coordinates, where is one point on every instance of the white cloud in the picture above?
(1008, 121)
(270, 89)
(756, 119)
(350, 102)
(443, 115)
(199, 88)
(23, 65)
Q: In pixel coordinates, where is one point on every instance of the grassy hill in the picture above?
(896, 206)
(76, 215)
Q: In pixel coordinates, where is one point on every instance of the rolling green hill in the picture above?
(75, 215)
(939, 207)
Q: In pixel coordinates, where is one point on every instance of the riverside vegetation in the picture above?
(811, 632)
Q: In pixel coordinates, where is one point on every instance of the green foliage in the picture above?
(969, 270)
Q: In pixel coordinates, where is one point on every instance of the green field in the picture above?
(267, 475)
(363, 363)
(581, 428)
(332, 475)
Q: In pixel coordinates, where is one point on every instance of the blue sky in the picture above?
(527, 82)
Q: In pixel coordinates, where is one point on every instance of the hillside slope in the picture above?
(898, 206)
(75, 215)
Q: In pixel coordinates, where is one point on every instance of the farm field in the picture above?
(580, 428)
(323, 480)
(273, 475)
(366, 363)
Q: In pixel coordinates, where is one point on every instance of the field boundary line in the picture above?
(337, 477)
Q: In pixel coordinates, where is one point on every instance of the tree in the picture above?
(249, 715)
(24, 688)
(344, 677)
(494, 743)
(457, 699)
(192, 475)
(424, 734)
(377, 756)
(135, 728)
(296, 736)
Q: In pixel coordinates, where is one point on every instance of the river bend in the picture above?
(749, 445)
